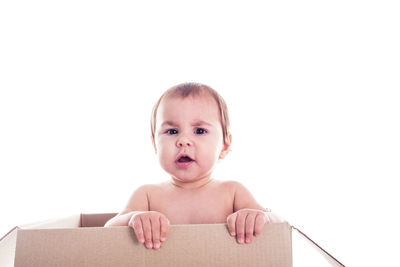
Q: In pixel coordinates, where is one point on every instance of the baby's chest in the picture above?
(192, 210)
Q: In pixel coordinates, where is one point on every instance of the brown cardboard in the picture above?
(82, 241)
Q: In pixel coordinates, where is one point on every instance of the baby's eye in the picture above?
(201, 131)
(171, 131)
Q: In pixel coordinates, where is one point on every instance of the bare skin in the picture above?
(153, 208)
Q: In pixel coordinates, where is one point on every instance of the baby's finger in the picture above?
(155, 229)
(164, 228)
(231, 222)
(259, 224)
(240, 226)
(269, 217)
(250, 227)
(147, 232)
(136, 224)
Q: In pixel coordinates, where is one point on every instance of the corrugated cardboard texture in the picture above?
(8, 242)
(67, 242)
(186, 245)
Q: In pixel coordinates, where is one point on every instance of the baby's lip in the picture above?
(183, 155)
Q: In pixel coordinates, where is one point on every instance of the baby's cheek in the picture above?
(166, 159)
(210, 160)
(164, 153)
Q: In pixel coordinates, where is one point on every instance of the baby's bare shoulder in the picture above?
(152, 187)
(145, 188)
(143, 192)
(231, 184)
(139, 199)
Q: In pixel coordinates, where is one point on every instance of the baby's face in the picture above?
(189, 126)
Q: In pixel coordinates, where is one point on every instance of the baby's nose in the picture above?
(184, 142)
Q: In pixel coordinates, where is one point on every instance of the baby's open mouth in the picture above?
(184, 159)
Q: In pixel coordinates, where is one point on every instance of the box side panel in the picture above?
(114, 246)
(211, 245)
(7, 248)
(186, 245)
(96, 219)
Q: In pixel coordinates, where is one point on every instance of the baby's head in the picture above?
(190, 131)
(185, 90)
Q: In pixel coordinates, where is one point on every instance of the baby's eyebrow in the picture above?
(200, 122)
(195, 123)
(169, 123)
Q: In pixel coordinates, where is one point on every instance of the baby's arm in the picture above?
(150, 227)
(249, 217)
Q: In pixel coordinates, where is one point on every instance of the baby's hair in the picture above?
(184, 90)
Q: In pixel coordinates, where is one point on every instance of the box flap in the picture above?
(186, 245)
(8, 242)
(7, 248)
(332, 260)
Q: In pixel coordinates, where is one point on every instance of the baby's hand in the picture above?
(246, 222)
(150, 227)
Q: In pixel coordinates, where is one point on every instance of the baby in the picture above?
(190, 133)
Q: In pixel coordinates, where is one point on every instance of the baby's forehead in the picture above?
(204, 101)
(171, 108)
(199, 96)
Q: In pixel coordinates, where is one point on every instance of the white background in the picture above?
(312, 88)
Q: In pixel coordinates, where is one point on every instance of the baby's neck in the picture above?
(191, 185)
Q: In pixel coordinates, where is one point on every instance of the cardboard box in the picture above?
(82, 240)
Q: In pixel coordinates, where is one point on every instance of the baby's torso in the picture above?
(212, 204)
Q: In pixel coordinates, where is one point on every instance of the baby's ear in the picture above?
(154, 144)
(227, 146)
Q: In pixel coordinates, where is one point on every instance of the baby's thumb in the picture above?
(164, 222)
